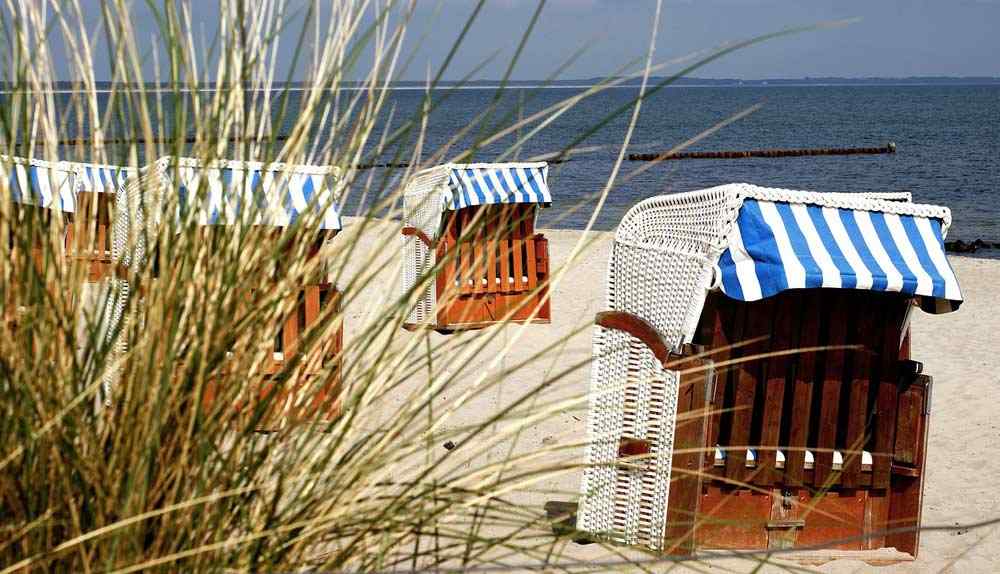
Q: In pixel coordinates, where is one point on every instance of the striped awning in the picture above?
(483, 184)
(40, 183)
(775, 246)
(273, 194)
(100, 178)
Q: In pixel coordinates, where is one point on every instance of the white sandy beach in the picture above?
(957, 349)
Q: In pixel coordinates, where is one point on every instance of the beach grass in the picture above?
(112, 459)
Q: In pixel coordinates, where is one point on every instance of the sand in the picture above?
(959, 350)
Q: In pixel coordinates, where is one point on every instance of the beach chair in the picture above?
(89, 235)
(228, 193)
(40, 194)
(473, 227)
(752, 386)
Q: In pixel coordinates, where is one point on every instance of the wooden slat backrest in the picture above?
(775, 377)
(491, 270)
(527, 231)
(89, 234)
(861, 365)
(721, 329)
(835, 399)
(837, 316)
(505, 251)
(747, 380)
(887, 395)
(517, 248)
(809, 310)
(495, 249)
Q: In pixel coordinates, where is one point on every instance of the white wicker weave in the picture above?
(662, 265)
(138, 211)
(422, 210)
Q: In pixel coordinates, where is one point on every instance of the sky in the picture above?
(892, 38)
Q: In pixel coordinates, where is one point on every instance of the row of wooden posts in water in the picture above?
(558, 158)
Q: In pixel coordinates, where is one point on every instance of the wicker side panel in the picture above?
(632, 396)
(422, 210)
(137, 212)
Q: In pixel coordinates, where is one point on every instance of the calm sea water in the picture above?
(947, 137)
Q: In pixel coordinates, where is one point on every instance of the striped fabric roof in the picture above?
(482, 184)
(277, 193)
(100, 178)
(777, 245)
(40, 183)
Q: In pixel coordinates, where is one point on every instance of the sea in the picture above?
(947, 140)
(947, 143)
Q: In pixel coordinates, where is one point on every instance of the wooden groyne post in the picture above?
(664, 156)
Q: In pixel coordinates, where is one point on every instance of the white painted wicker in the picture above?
(662, 265)
(422, 210)
(138, 209)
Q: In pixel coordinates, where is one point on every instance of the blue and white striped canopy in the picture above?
(100, 178)
(40, 183)
(776, 246)
(483, 184)
(276, 194)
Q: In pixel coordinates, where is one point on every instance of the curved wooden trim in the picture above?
(638, 328)
(420, 235)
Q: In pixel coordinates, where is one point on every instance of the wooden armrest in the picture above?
(638, 328)
(420, 235)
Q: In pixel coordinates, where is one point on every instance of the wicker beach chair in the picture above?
(752, 386)
(228, 193)
(473, 225)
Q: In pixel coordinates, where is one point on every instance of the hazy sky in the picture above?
(893, 37)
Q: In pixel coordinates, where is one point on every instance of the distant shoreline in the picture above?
(162, 90)
(583, 83)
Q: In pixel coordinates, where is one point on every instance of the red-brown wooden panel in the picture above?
(733, 519)
(865, 335)
(687, 461)
(506, 285)
(838, 315)
(722, 327)
(774, 376)
(831, 517)
(525, 230)
(804, 369)
(906, 493)
(746, 381)
(888, 393)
